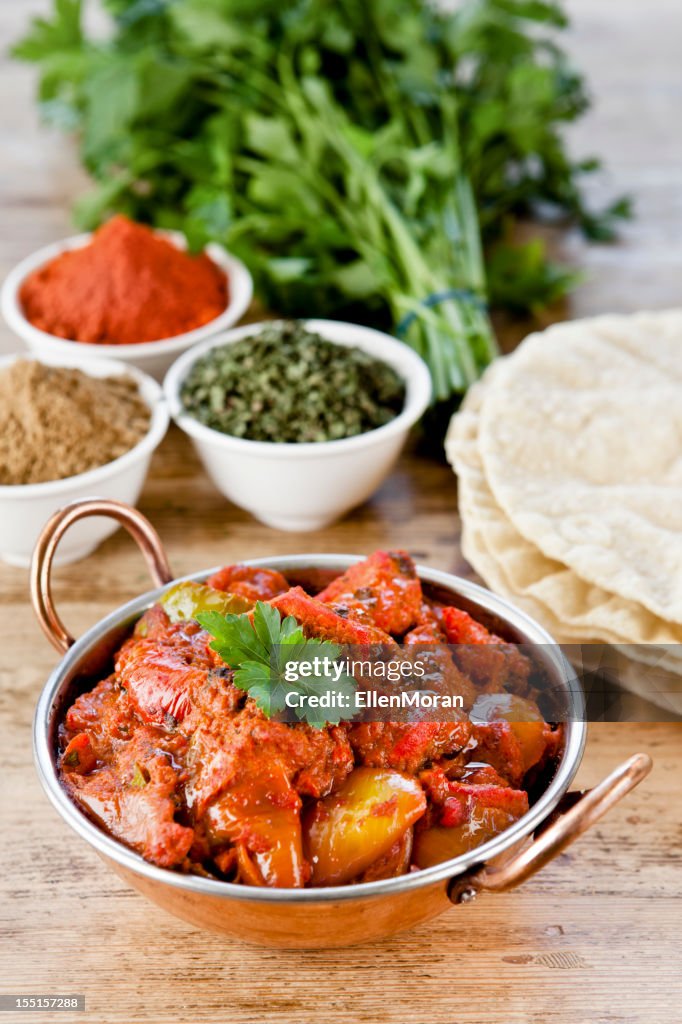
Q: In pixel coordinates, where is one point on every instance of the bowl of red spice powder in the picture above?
(127, 292)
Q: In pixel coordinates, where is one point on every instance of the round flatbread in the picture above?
(580, 437)
(567, 604)
(573, 611)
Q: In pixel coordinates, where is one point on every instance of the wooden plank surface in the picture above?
(595, 937)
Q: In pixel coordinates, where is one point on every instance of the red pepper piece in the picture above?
(79, 756)
(249, 581)
(462, 629)
(387, 584)
(320, 621)
(463, 798)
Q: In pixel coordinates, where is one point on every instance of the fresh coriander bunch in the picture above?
(366, 158)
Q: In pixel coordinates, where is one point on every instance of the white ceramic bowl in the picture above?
(303, 487)
(153, 357)
(25, 508)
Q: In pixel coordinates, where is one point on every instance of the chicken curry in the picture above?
(168, 756)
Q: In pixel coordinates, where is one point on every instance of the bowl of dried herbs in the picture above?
(298, 421)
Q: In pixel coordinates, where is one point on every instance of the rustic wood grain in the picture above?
(591, 940)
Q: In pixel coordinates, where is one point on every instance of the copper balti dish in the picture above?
(338, 915)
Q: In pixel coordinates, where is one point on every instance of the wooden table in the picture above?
(595, 937)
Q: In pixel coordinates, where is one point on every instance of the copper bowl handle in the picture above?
(550, 842)
(137, 525)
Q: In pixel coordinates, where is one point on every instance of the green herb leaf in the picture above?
(262, 649)
(45, 37)
(236, 640)
(522, 277)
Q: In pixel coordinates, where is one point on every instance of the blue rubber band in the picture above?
(435, 299)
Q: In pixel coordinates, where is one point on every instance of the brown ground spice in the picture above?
(127, 286)
(56, 422)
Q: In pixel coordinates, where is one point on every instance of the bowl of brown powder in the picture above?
(67, 432)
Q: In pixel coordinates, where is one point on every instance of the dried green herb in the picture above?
(288, 385)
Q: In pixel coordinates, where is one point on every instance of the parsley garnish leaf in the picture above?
(233, 633)
(260, 647)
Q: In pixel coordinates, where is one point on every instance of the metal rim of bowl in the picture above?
(113, 849)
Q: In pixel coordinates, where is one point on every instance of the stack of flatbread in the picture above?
(569, 459)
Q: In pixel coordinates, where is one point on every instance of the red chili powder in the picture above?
(128, 285)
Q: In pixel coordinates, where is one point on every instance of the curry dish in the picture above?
(168, 756)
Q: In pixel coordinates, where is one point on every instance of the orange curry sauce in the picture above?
(170, 758)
